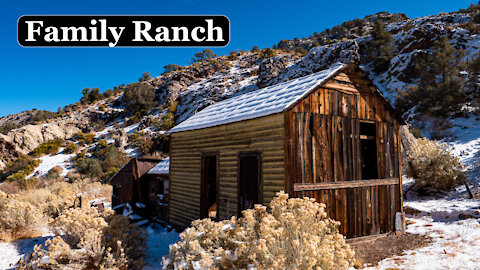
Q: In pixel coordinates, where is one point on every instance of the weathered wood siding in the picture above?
(266, 135)
(324, 146)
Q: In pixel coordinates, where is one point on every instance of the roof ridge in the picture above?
(255, 104)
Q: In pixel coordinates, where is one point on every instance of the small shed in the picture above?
(330, 135)
(130, 183)
(158, 190)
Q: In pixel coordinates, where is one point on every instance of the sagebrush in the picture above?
(295, 234)
(18, 218)
(87, 239)
(432, 164)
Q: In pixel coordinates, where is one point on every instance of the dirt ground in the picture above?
(370, 252)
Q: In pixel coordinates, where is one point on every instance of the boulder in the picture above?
(271, 68)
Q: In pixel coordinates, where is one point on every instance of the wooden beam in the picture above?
(345, 184)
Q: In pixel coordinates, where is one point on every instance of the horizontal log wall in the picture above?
(266, 135)
(323, 147)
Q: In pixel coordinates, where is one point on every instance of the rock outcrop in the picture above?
(25, 139)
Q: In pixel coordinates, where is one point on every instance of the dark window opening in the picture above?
(209, 187)
(250, 185)
(368, 150)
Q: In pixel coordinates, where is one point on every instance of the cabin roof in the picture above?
(266, 101)
(161, 168)
(132, 168)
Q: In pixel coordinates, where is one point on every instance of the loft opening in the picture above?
(368, 150)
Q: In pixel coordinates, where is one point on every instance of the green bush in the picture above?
(145, 77)
(7, 126)
(302, 51)
(90, 95)
(84, 138)
(268, 53)
(54, 173)
(203, 55)
(106, 160)
(20, 168)
(90, 167)
(170, 68)
(70, 148)
(39, 116)
(232, 56)
(139, 98)
(47, 148)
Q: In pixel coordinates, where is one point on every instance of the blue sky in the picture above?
(46, 78)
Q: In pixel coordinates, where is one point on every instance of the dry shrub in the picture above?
(18, 218)
(52, 201)
(96, 190)
(432, 165)
(296, 235)
(87, 239)
(10, 187)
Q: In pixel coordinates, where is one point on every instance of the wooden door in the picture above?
(250, 186)
(209, 186)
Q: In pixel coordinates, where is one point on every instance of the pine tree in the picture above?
(474, 78)
(440, 87)
(381, 47)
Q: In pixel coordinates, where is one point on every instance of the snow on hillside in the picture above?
(50, 161)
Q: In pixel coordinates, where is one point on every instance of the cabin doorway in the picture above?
(368, 150)
(209, 190)
(250, 186)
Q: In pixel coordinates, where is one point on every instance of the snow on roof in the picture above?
(255, 104)
(161, 168)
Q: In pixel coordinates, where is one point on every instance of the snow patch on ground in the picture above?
(455, 241)
(50, 161)
(159, 241)
(12, 252)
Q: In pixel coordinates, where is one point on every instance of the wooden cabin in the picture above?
(131, 184)
(331, 136)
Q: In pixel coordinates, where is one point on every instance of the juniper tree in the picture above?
(381, 47)
(139, 98)
(90, 95)
(171, 67)
(145, 77)
(203, 55)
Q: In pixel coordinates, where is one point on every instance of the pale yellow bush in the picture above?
(296, 234)
(18, 219)
(52, 201)
(432, 165)
(96, 190)
(87, 239)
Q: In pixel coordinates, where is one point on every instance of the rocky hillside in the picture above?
(182, 91)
